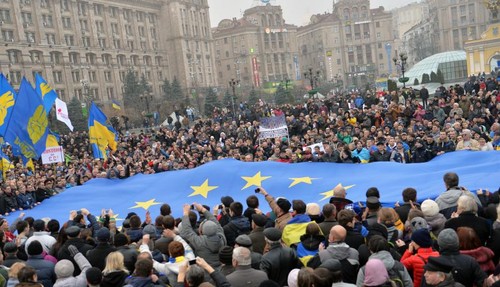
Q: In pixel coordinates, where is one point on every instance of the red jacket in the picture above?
(415, 262)
(484, 256)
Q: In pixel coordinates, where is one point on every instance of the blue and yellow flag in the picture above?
(311, 182)
(101, 134)
(29, 126)
(7, 100)
(47, 94)
(116, 105)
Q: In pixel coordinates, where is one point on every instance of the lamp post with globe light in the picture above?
(401, 62)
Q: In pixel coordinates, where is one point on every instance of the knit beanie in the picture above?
(209, 228)
(448, 240)
(429, 208)
(64, 268)
(422, 237)
(375, 273)
(226, 255)
(35, 248)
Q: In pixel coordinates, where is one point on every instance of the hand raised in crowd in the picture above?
(145, 239)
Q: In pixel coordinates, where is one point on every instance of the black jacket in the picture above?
(467, 270)
(468, 219)
(80, 244)
(129, 257)
(278, 262)
(112, 279)
(97, 256)
(404, 209)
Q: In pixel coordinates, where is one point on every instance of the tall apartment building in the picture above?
(353, 44)
(84, 48)
(256, 49)
(404, 18)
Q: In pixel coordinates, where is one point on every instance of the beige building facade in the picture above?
(84, 48)
(354, 44)
(257, 49)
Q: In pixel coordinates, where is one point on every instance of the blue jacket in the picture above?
(44, 270)
(25, 201)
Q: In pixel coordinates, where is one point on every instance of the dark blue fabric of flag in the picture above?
(311, 182)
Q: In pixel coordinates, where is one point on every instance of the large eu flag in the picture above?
(311, 182)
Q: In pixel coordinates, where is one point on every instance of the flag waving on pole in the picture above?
(116, 105)
(7, 100)
(46, 92)
(62, 113)
(101, 134)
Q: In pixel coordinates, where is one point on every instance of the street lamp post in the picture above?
(233, 83)
(401, 62)
(313, 80)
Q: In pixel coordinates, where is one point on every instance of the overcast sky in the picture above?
(295, 12)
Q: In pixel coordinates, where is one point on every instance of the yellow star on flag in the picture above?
(202, 189)
(329, 193)
(297, 180)
(255, 180)
(145, 204)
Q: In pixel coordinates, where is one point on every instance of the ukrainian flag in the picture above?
(29, 126)
(116, 105)
(101, 135)
(47, 94)
(7, 100)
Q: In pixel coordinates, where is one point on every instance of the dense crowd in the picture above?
(408, 126)
(453, 240)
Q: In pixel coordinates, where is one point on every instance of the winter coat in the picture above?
(469, 219)
(348, 257)
(282, 220)
(115, 278)
(258, 240)
(308, 247)
(44, 238)
(436, 222)
(389, 262)
(44, 270)
(206, 247)
(78, 281)
(135, 234)
(80, 244)
(447, 201)
(237, 225)
(278, 262)
(129, 256)
(97, 256)
(467, 270)
(484, 256)
(415, 263)
(245, 276)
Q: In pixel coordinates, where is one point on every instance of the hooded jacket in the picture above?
(237, 225)
(205, 246)
(112, 279)
(308, 247)
(436, 222)
(389, 263)
(447, 201)
(295, 228)
(348, 257)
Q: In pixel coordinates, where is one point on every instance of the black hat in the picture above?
(35, 248)
(273, 234)
(259, 219)
(422, 237)
(10, 247)
(438, 264)
(372, 202)
(378, 229)
(72, 231)
(226, 255)
(332, 265)
(284, 204)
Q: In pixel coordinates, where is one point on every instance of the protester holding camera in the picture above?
(194, 274)
(211, 238)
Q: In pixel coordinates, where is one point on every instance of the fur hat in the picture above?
(418, 223)
(429, 208)
(64, 268)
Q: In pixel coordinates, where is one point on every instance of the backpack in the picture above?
(395, 274)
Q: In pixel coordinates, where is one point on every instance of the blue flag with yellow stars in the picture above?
(311, 182)
(101, 134)
(47, 94)
(7, 100)
(28, 127)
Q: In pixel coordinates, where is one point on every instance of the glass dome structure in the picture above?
(453, 66)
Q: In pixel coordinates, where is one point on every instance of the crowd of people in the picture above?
(453, 240)
(405, 126)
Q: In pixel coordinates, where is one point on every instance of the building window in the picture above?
(8, 35)
(92, 76)
(69, 39)
(66, 21)
(65, 5)
(102, 42)
(107, 76)
(98, 9)
(14, 56)
(36, 57)
(55, 57)
(15, 77)
(5, 16)
(57, 75)
(86, 41)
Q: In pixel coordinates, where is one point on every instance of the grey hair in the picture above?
(242, 255)
(195, 275)
(466, 203)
